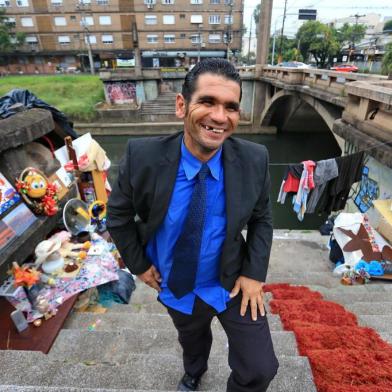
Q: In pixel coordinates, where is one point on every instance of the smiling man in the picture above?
(176, 214)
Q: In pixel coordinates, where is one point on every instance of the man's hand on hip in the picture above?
(152, 278)
(252, 292)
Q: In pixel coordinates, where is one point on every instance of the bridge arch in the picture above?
(288, 103)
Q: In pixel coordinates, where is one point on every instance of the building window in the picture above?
(228, 19)
(169, 19)
(107, 39)
(22, 3)
(64, 39)
(102, 2)
(5, 3)
(85, 2)
(196, 39)
(88, 21)
(214, 19)
(149, 2)
(196, 1)
(197, 19)
(152, 38)
(92, 39)
(229, 2)
(27, 22)
(73, 18)
(214, 38)
(105, 20)
(169, 38)
(60, 21)
(31, 40)
(182, 35)
(167, 1)
(11, 22)
(150, 19)
(214, 1)
(57, 2)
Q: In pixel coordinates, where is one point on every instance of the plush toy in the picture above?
(37, 192)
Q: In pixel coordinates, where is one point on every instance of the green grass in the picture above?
(75, 95)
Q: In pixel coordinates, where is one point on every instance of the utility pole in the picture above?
(352, 46)
(136, 49)
(229, 30)
(250, 37)
(80, 7)
(264, 32)
(281, 33)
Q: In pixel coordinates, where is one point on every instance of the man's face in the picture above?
(211, 116)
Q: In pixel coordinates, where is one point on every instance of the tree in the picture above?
(9, 40)
(256, 14)
(387, 27)
(351, 33)
(289, 50)
(387, 61)
(319, 40)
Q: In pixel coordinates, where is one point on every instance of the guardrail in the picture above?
(332, 81)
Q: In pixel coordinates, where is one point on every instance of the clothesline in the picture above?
(294, 163)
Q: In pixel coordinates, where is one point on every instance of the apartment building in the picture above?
(179, 32)
(60, 33)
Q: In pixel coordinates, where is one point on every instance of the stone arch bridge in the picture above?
(355, 107)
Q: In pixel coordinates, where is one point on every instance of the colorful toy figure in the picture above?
(37, 192)
(36, 184)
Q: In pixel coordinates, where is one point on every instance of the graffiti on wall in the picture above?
(120, 92)
(368, 191)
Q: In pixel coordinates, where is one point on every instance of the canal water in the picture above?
(283, 148)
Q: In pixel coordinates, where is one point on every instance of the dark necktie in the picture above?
(186, 251)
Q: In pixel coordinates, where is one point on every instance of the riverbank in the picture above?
(75, 95)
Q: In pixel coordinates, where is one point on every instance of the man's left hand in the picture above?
(252, 292)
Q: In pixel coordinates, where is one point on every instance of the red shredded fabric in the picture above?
(344, 357)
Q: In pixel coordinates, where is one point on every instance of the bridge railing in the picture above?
(332, 81)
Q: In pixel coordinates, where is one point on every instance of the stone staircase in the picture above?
(134, 347)
(161, 108)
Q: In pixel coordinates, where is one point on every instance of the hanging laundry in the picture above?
(290, 183)
(325, 171)
(337, 190)
(306, 184)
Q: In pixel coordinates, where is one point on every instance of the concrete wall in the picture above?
(151, 89)
(247, 99)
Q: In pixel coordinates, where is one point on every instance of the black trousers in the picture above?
(251, 354)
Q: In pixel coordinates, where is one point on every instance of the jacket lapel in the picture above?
(165, 179)
(233, 187)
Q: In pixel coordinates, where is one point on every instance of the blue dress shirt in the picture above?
(160, 247)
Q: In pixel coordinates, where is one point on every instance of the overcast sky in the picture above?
(326, 11)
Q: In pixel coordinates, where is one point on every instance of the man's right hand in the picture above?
(152, 278)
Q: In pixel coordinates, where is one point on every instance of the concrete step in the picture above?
(370, 308)
(143, 372)
(119, 321)
(387, 336)
(381, 323)
(104, 346)
(303, 278)
(357, 289)
(25, 388)
(352, 297)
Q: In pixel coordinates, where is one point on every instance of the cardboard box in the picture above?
(383, 218)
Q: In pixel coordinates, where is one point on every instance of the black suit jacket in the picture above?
(142, 192)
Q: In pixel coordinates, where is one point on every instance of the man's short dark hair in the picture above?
(215, 66)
